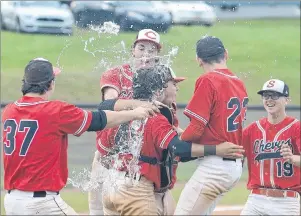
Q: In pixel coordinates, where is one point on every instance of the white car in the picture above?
(189, 12)
(37, 16)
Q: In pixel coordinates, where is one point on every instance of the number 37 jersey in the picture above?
(262, 142)
(219, 103)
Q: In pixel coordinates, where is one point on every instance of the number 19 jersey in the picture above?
(219, 103)
(262, 142)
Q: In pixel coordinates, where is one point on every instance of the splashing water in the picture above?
(85, 179)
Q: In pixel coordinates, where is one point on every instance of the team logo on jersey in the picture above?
(269, 150)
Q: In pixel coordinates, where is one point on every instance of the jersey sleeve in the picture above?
(297, 136)
(246, 140)
(162, 132)
(73, 120)
(111, 79)
(202, 102)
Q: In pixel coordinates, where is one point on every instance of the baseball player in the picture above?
(117, 83)
(272, 147)
(159, 140)
(216, 112)
(35, 140)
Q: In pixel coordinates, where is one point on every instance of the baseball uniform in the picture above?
(35, 153)
(216, 111)
(274, 183)
(137, 199)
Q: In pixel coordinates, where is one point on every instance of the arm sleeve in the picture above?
(202, 102)
(162, 132)
(194, 131)
(74, 120)
(111, 79)
(297, 137)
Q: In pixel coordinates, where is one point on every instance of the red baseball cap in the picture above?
(175, 78)
(149, 35)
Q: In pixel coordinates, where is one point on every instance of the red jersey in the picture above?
(121, 79)
(262, 142)
(158, 133)
(35, 142)
(219, 105)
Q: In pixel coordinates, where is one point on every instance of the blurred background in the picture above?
(85, 38)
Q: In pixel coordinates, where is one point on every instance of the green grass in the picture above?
(258, 49)
(237, 196)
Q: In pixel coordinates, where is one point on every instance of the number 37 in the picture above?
(234, 103)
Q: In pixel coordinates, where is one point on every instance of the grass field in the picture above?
(259, 50)
(238, 196)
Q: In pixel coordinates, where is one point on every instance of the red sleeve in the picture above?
(73, 120)
(111, 79)
(193, 132)
(246, 140)
(162, 132)
(297, 136)
(202, 102)
(103, 145)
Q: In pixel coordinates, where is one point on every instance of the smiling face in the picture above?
(274, 102)
(145, 54)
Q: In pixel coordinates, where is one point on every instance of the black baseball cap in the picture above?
(209, 46)
(39, 70)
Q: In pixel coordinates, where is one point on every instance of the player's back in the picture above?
(35, 143)
(228, 108)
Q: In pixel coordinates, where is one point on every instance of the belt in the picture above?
(229, 159)
(275, 192)
(38, 193)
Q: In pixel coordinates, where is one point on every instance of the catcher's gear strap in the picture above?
(168, 114)
(107, 104)
(180, 148)
(166, 168)
(99, 121)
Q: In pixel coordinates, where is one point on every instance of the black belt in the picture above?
(39, 193)
(229, 159)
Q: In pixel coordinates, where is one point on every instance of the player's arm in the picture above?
(166, 138)
(73, 120)
(128, 104)
(204, 94)
(287, 152)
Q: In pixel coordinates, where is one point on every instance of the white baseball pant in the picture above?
(211, 180)
(23, 203)
(264, 205)
(95, 194)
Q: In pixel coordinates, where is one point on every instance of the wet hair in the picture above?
(41, 88)
(149, 80)
(210, 49)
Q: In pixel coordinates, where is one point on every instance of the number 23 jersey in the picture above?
(262, 142)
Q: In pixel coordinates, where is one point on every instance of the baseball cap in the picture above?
(174, 77)
(275, 85)
(148, 35)
(209, 46)
(39, 70)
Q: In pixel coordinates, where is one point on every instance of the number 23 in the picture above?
(235, 103)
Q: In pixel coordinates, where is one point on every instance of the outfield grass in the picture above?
(258, 49)
(238, 196)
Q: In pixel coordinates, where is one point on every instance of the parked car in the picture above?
(189, 12)
(136, 15)
(37, 16)
(92, 12)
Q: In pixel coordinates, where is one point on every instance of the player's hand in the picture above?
(141, 113)
(286, 153)
(152, 105)
(229, 150)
